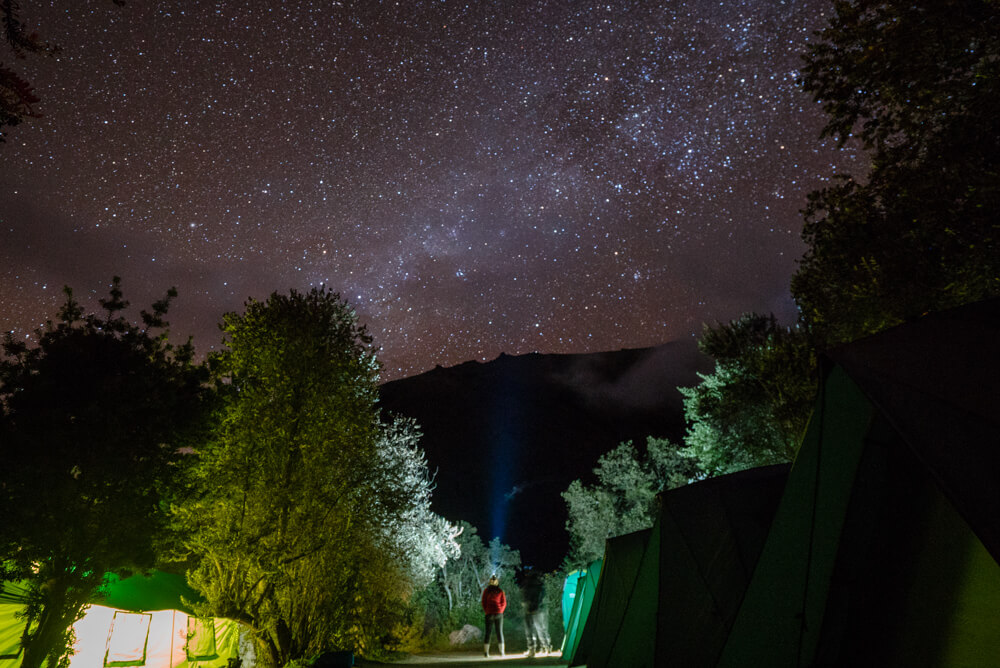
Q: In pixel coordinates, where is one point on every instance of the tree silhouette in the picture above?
(96, 418)
(918, 84)
(17, 97)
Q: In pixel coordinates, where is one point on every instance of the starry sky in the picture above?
(558, 176)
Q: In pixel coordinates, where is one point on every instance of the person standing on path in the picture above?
(535, 620)
(494, 602)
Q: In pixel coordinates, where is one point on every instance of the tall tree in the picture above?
(753, 408)
(299, 514)
(918, 85)
(94, 421)
(623, 499)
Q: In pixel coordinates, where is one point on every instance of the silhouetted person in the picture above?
(535, 620)
(494, 602)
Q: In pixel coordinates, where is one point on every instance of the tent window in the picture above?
(12, 631)
(127, 639)
(200, 638)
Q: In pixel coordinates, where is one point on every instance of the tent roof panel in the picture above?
(937, 382)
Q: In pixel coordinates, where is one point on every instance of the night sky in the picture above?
(475, 178)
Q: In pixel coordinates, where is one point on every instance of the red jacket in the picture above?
(493, 600)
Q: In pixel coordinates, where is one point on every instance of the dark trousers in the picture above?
(494, 621)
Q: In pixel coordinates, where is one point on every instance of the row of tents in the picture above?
(143, 620)
(879, 546)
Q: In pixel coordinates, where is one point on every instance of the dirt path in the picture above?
(473, 659)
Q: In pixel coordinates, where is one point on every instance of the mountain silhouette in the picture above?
(504, 438)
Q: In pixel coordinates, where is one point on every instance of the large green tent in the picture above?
(668, 595)
(884, 549)
(143, 620)
(622, 556)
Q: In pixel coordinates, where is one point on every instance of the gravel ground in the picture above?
(471, 659)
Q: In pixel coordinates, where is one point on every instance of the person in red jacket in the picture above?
(494, 602)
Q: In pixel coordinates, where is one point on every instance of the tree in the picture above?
(452, 601)
(624, 498)
(465, 574)
(17, 99)
(95, 418)
(753, 408)
(918, 85)
(423, 540)
(299, 515)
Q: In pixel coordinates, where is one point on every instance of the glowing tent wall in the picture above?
(132, 630)
(158, 639)
(11, 628)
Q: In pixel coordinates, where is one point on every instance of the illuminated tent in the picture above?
(11, 602)
(668, 595)
(884, 548)
(583, 598)
(569, 595)
(138, 621)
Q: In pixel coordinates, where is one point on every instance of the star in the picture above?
(553, 176)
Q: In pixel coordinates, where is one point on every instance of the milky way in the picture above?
(473, 177)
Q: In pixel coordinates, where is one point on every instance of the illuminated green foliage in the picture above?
(467, 573)
(753, 408)
(623, 499)
(306, 519)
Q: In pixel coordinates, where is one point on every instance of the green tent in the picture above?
(668, 595)
(569, 595)
(583, 597)
(136, 621)
(711, 535)
(885, 545)
(622, 556)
